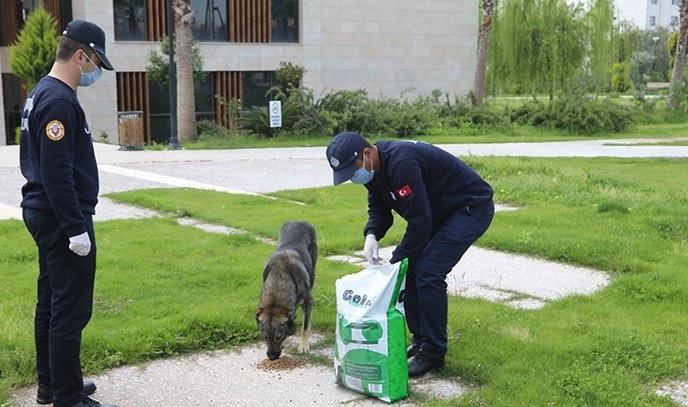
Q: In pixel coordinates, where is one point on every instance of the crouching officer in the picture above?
(447, 207)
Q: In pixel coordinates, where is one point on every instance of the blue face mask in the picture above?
(363, 176)
(89, 78)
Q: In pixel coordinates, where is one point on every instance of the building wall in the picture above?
(663, 12)
(389, 47)
(99, 101)
(639, 12)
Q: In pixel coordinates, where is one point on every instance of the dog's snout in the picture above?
(272, 355)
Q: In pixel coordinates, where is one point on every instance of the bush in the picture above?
(33, 53)
(588, 116)
(576, 114)
(347, 110)
(621, 78)
(288, 74)
(256, 120)
(208, 129)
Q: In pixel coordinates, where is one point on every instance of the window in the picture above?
(130, 20)
(255, 86)
(285, 21)
(674, 2)
(653, 21)
(12, 99)
(209, 21)
(653, 1)
(14, 13)
(159, 105)
(674, 21)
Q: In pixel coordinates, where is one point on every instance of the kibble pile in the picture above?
(282, 363)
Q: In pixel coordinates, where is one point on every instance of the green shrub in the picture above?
(354, 110)
(484, 115)
(33, 53)
(346, 110)
(256, 120)
(621, 78)
(288, 74)
(209, 129)
(576, 114)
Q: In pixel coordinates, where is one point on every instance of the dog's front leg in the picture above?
(306, 326)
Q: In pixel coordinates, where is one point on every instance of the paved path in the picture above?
(232, 377)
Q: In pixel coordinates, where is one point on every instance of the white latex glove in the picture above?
(80, 244)
(371, 248)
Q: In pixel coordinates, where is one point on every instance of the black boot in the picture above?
(425, 361)
(44, 395)
(412, 350)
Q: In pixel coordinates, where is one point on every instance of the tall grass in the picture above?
(164, 289)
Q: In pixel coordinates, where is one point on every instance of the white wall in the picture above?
(634, 11)
(390, 46)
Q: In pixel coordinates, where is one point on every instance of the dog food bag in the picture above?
(370, 349)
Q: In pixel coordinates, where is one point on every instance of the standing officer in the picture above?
(447, 207)
(59, 199)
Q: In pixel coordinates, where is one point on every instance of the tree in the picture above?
(600, 62)
(553, 45)
(676, 83)
(158, 66)
(539, 46)
(189, 68)
(186, 105)
(33, 53)
(483, 46)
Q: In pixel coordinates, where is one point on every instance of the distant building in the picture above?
(649, 14)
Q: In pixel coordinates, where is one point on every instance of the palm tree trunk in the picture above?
(186, 106)
(675, 85)
(483, 47)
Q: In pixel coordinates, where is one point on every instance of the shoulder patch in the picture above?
(404, 191)
(55, 130)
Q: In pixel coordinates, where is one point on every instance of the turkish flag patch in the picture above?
(404, 191)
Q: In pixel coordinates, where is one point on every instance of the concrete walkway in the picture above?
(234, 377)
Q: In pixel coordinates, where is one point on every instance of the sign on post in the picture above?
(275, 113)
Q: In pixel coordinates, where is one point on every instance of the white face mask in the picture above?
(89, 78)
(362, 175)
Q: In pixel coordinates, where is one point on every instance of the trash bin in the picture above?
(130, 126)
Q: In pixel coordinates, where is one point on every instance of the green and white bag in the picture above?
(370, 350)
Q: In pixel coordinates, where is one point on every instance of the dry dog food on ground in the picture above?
(282, 363)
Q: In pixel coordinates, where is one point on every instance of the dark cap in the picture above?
(342, 152)
(90, 35)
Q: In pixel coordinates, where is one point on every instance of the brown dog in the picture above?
(288, 278)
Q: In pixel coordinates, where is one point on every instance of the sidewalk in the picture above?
(234, 377)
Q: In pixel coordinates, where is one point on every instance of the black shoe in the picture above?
(89, 402)
(412, 350)
(425, 361)
(45, 393)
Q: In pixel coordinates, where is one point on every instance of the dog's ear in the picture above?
(258, 312)
(291, 327)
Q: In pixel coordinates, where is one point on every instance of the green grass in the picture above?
(164, 289)
(466, 134)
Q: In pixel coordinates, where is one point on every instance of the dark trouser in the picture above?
(64, 306)
(425, 301)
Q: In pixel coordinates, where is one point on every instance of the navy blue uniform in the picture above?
(59, 198)
(447, 207)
